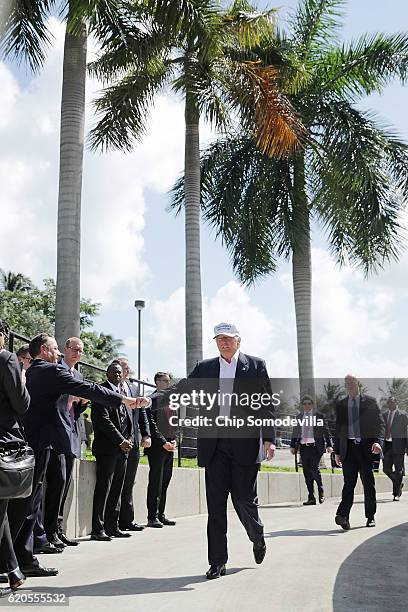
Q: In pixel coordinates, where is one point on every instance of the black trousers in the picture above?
(56, 477)
(393, 467)
(160, 473)
(110, 474)
(358, 461)
(311, 471)
(127, 513)
(24, 513)
(8, 560)
(225, 476)
(69, 465)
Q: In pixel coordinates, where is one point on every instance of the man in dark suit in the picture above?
(232, 385)
(160, 456)
(113, 435)
(46, 382)
(141, 437)
(358, 440)
(311, 437)
(395, 445)
(49, 536)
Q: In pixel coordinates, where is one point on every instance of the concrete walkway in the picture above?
(310, 565)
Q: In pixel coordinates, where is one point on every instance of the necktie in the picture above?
(356, 419)
(123, 421)
(388, 431)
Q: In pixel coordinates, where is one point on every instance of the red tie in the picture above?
(388, 430)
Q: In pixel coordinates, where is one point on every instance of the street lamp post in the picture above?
(139, 304)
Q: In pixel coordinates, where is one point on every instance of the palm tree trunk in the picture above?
(302, 280)
(194, 347)
(70, 186)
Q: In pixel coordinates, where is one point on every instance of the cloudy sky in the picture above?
(133, 249)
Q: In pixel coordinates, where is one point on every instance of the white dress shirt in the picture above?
(307, 429)
(386, 423)
(227, 378)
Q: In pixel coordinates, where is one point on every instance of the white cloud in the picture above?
(113, 202)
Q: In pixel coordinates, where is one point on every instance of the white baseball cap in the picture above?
(226, 329)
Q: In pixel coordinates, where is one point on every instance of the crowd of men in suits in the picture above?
(362, 434)
(123, 421)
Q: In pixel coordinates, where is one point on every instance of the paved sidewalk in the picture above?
(311, 565)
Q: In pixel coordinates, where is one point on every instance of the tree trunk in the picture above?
(194, 346)
(302, 280)
(70, 185)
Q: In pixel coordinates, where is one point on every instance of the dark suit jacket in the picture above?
(14, 400)
(106, 423)
(321, 434)
(251, 377)
(158, 424)
(44, 423)
(399, 433)
(371, 426)
(139, 417)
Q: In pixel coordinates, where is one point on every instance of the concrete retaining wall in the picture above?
(186, 495)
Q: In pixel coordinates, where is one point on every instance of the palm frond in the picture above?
(361, 186)
(124, 107)
(363, 66)
(315, 26)
(277, 128)
(24, 35)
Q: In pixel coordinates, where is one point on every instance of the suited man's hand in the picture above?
(126, 445)
(376, 448)
(143, 402)
(146, 442)
(269, 449)
(170, 446)
(338, 460)
(329, 450)
(293, 450)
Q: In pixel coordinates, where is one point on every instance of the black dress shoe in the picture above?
(5, 592)
(36, 571)
(101, 536)
(54, 539)
(132, 527)
(118, 534)
(310, 502)
(166, 521)
(63, 538)
(342, 521)
(321, 498)
(155, 523)
(216, 571)
(370, 523)
(259, 551)
(48, 549)
(16, 579)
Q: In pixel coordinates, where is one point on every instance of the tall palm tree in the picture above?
(11, 281)
(25, 36)
(213, 65)
(350, 173)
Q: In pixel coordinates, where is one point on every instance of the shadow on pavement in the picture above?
(373, 578)
(304, 532)
(131, 586)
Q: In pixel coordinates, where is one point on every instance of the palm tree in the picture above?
(11, 281)
(212, 65)
(398, 388)
(25, 36)
(350, 174)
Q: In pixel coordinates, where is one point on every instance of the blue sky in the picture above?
(134, 249)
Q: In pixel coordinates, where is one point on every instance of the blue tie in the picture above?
(356, 419)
